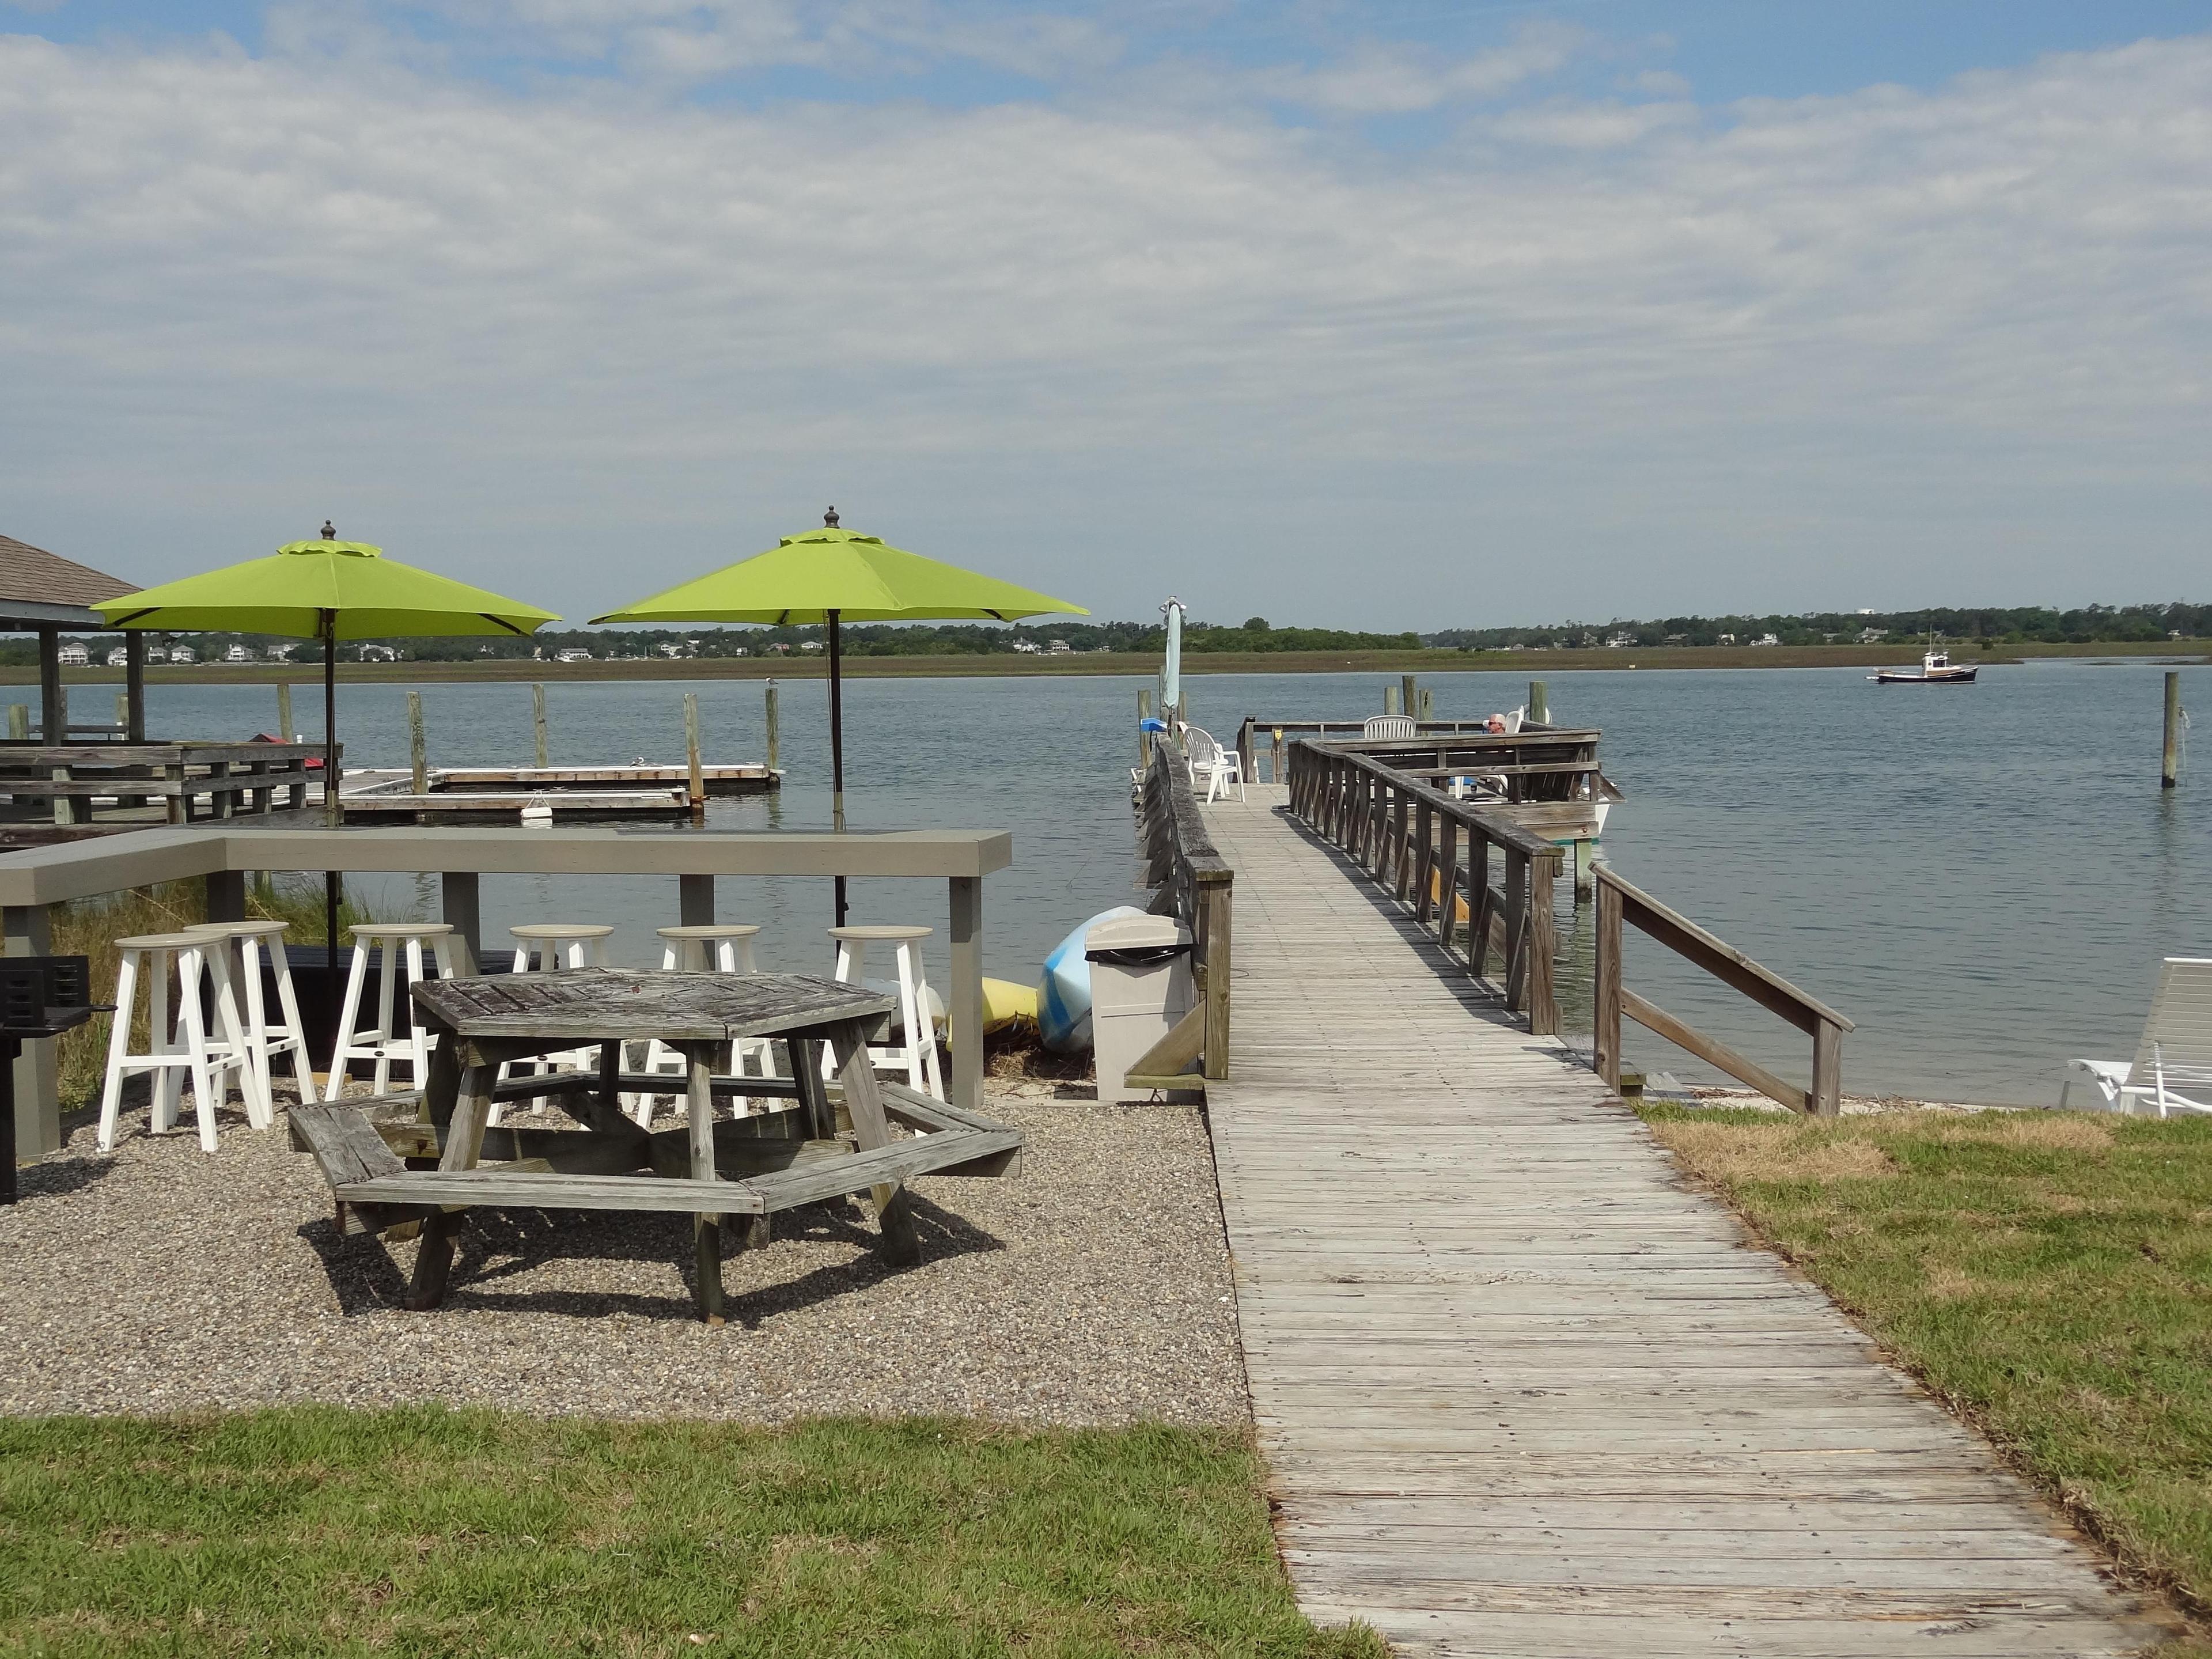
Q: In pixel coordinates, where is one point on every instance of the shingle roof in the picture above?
(30, 576)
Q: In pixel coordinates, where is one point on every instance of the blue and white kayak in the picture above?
(1063, 993)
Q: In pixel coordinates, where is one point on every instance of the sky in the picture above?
(1387, 315)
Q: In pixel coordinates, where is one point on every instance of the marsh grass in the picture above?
(2050, 1274)
(419, 1531)
(89, 927)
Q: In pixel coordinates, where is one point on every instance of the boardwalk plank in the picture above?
(1522, 1392)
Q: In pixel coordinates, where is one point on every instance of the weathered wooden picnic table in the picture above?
(745, 1167)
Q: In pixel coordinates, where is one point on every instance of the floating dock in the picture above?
(497, 793)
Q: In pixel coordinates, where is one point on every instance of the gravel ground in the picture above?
(1091, 1287)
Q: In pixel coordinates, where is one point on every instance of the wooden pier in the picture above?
(484, 793)
(1520, 1391)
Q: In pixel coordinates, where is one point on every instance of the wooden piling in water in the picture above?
(1144, 737)
(2169, 772)
(19, 721)
(538, 718)
(1539, 709)
(418, 753)
(691, 750)
(284, 727)
(1409, 694)
(1389, 699)
(1428, 704)
(771, 726)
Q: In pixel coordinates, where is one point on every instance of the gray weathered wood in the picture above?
(586, 1005)
(1522, 1392)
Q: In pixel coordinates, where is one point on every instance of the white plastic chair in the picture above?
(1390, 725)
(2172, 1071)
(1212, 766)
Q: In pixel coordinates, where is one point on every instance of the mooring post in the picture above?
(2169, 772)
(1389, 699)
(285, 729)
(1409, 693)
(1428, 705)
(1144, 737)
(771, 726)
(538, 721)
(1539, 709)
(122, 715)
(417, 750)
(691, 750)
(19, 721)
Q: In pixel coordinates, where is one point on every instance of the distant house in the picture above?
(1726, 639)
(810, 645)
(379, 653)
(1027, 647)
(179, 654)
(671, 650)
(779, 647)
(1058, 649)
(1613, 642)
(155, 653)
(740, 651)
(73, 655)
(245, 654)
(573, 654)
(1872, 636)
(280, 653)
(1766, 639)
(118, 656)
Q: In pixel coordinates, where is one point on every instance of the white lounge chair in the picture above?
(2171, 1070)
(1390, 725)
(1213, 768)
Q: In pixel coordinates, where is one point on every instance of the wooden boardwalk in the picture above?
(1519, 1391)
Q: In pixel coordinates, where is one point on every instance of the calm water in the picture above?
(1984, 878)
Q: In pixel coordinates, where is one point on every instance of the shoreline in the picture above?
(1120, 664)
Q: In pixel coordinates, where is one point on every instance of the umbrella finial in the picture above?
(330, 532)
(829, 518)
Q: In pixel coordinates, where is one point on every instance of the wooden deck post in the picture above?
(695, 901)
(1605, 1020)
(1215, 896)
(1826, 1098)
(1543, 944)
(460, 903)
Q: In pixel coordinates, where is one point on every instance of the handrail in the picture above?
(1619, 902)
(1475, 732)
(1406, 834)
(1195, 884)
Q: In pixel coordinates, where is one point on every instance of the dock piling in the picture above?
(2169, 772)
(1539, 707)
(417, 749)
(771, 726)
(1389, 699)
(1144, 737)
(285, 730)
(19, 722)
(691, 751)
(1409, 693)
(538, 718)
(1428, 704)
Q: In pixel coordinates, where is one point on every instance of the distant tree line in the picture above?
(2019, 625)
(1254, 633)
(855, 639)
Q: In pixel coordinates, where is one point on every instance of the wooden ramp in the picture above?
(1523, 1392)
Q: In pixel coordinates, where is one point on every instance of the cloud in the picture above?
(1884, 346)
(1381, 78)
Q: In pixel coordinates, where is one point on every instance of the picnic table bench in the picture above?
(818, 1147)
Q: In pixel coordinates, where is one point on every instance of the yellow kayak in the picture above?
(1004, 1002)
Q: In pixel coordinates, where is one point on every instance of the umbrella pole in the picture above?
(332, 815)
(836, 752)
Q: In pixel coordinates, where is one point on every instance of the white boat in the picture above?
(1935, 669)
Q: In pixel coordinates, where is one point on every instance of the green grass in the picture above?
(424, 1531)
(2050, 1274)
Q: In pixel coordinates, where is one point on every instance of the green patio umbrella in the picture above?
(327, 590)
(833, 575)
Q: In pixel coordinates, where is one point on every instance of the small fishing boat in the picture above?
(1934, 669)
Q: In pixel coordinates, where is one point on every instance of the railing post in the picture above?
(1517, 929)
(1448, 886)
(1425, 831)
(1401, 864)
(1275, 758)
(1216, 898)
(1827, 1097)
(1543, 941)
(1477, 903)
(1245, 758)
(1605, 1017)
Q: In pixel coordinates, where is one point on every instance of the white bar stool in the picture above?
(549, 947)
(714, 947)
(917, 1050)
(389, 1038)
(266, 1040)
(186, 1048)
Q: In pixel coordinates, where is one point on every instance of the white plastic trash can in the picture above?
(1141, 986)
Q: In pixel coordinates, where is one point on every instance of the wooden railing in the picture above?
(1278, 735)
(1617, 902)
(1194, 886)
(1437, 856)
(193, 779)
